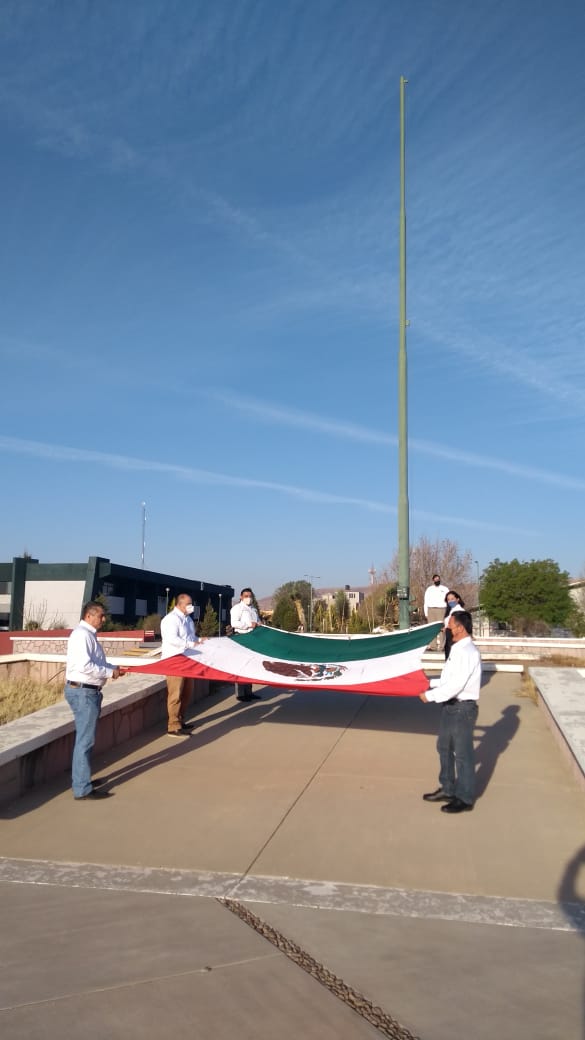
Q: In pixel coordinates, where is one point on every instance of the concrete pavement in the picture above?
(451, 924)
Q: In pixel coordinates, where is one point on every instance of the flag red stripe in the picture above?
(409, 685)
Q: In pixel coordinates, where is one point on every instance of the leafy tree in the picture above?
(341, 610)
(576, 621)
(444, 557)
(319, 616)
(297, 594)
(357, 623)
(210, 624)
(285, 614)
(380, 607)
(526, 593)
(150, 623)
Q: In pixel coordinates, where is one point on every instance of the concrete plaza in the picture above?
(305, 808)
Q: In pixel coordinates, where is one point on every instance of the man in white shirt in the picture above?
(434, 607)
(244, 618)
(86, 672)
(178, 634)
(458, 691)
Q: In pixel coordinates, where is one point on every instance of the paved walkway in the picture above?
(307, 810)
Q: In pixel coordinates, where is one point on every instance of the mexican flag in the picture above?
(386, 665)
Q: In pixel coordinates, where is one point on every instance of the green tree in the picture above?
(297, 594)
(150, 623)
(210, 623)
(341, 610)
(319, 616)
(357, 623)
(285, 615)
(576, 621)
(526, 593)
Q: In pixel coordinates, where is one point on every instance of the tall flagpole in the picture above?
(143, 507)
(403, 510)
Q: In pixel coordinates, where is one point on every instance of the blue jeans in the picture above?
(86, 706)
(456, 751)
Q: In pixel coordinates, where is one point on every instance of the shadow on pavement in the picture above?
(571, 896)
(494, 741)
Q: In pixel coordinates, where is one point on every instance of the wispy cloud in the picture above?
(352, 432)
(64, 453)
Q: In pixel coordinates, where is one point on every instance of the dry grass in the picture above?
(528, 688)
(559, 661)
(20, 697)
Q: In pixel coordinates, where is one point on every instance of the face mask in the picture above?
(451, 603)
(436, 581)
(247, 600)
(189, 609)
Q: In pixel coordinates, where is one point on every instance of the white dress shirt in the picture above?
(86, 660)
(461, 675)
(243, 617)
(434, 597)
(455, 607)
(178, 633)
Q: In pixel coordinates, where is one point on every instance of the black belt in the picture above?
(83, 686)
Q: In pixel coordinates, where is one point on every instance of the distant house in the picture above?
(52, 594)
(353, 596)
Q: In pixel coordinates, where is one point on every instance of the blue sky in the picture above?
(199, 271)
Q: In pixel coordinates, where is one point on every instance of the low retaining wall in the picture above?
(561, 696)
(39, 746)
(49, 644)
(530, 647)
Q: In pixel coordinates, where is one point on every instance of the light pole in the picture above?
(143, 507)
(311, 578)
(478, 603)
(167, 590)
(219, 633)
(403, 508)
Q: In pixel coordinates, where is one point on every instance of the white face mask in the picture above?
(247, 600)
(189, 609)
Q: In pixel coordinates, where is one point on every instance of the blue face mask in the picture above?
(451, 603)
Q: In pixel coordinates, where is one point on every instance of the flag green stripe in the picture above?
(287, 646)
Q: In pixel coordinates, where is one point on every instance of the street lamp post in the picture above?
(311, 578)
(219, 633)
(478, 603)
(167, 590)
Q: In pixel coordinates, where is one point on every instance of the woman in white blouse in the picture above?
(453, 602)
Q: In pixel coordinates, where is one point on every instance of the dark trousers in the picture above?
(243, 690)
(456, 751)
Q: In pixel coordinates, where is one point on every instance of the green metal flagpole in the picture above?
(403, 510)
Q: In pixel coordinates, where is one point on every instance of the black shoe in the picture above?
(250, 697)
(99, 781)
(93, 796)
(438, 796)
(456, 805)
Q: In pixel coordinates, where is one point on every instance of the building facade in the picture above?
(51, 595)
